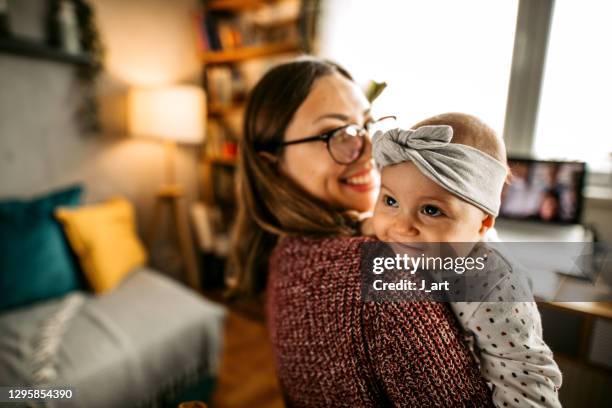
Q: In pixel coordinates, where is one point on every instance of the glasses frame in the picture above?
(327, 136)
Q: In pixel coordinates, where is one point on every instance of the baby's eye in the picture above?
(389, 201)
(431, 210)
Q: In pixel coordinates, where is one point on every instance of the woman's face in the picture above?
(334, 101)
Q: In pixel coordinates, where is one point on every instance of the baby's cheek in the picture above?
(464, 232)
(445, 236)
(378, 224)
(449, 232)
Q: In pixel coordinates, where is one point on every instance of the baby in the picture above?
(442, 182)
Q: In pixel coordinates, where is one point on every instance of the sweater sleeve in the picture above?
(416, 355)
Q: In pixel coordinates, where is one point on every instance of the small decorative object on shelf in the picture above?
(69, 29)
(72, 34)
(230, 150)
(4, 28)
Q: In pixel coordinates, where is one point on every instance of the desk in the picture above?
(590, 350)
(568, 284)
(592, 309)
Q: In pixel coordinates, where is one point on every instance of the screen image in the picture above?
(548, 191)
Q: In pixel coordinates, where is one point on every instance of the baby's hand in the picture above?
(367, 226)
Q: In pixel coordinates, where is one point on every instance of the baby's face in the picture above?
(412, 208)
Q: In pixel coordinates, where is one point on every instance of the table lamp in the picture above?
(174, 114)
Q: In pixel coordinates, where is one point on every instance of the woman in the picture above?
(305, 174)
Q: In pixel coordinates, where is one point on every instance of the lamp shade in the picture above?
(173, 113)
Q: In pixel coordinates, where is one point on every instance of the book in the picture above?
(210, 26)
(226, 30)
(219, 85)
(200, 32)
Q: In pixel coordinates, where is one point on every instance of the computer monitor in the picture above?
(544, 190)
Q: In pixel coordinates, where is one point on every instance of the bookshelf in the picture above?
(238, 41)
(215, 110)
(245, 53)
(236, 5)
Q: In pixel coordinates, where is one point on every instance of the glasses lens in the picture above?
(346, 145)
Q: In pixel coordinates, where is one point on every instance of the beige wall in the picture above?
(598, 213)
(148, 42)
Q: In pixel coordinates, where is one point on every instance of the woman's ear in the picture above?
(487, 223)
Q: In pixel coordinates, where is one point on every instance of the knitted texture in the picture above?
(334, 350)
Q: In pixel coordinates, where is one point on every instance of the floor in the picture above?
(247, 377)
(584, 386)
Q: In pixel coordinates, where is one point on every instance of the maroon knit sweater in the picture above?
(332, 349)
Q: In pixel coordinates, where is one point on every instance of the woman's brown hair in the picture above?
(270, 203)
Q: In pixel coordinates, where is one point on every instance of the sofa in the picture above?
(145, 341)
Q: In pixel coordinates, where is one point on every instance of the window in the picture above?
(436, 56)
(576, 99)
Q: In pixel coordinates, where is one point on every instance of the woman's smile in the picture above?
(363, 180)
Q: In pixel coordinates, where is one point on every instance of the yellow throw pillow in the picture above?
(104, 238)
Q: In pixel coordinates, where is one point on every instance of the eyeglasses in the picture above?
(345, 144)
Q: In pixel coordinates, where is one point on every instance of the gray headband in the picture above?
(462, 170)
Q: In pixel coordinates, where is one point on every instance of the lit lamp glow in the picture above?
(174, 114)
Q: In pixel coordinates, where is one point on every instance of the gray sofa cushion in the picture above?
(121, 349)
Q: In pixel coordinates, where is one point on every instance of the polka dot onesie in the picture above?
(505, 332)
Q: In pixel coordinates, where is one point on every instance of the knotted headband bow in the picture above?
(463, 170)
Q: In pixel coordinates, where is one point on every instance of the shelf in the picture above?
(32, 49)
(221, 110)
(236, 5)
(294, 20)
(240, 54)
(222, 161)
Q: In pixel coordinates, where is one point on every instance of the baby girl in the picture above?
(442, 182)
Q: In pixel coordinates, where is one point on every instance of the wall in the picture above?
(598, 212)
(148, 42)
